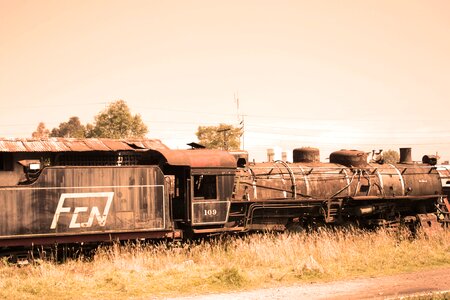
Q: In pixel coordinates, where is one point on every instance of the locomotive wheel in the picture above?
(295, 227)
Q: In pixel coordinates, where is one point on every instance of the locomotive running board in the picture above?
(217, 230)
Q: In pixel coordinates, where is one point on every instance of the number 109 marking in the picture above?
(210, 212)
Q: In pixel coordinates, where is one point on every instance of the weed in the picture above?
(161, 269)
(229, 276)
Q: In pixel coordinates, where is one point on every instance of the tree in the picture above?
(41, 132)
(117, 122)
(391, 156)
(224, 136)
(71, 129)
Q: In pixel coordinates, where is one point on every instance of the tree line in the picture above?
(117, 122)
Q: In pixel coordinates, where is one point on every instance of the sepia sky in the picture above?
(328, 74)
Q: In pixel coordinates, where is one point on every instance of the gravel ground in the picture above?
(386, 287)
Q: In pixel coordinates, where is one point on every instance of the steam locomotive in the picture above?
(93, 190)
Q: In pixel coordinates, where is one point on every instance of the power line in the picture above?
(22, 107)
(250, 115)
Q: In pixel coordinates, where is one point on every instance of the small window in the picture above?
(205, 187)
(6, 163)
(364, 188)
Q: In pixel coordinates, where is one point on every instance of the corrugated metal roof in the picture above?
(96, 144)
(69, 144)
(117, 145)
(78, 145)
(12, 146)
(147, 144)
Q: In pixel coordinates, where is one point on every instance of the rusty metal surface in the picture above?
(405, 156)
(117, 145)
(297, 181)
(429, 223)
(96, 144)
(430, 159)
(12, 146)
(81, 145)
(447, 204)
(45, 146)
(199, 158)
(420, 180)
(147, 144)
(349, 158)
(328, 181)
(49, 239)
(66, 200)
(306, 155)
(444, 173)
(241, 156)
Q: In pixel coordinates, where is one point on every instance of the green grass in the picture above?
(255, 261)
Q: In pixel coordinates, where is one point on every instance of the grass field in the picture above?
(254, 261)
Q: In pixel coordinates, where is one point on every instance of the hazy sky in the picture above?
(329, 74)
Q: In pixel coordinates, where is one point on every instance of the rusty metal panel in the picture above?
(56, 145)
(349, 158)
(50, 145)
(35, 146)
(86, 200)
(306, 155)
(116, 145)
(210, 212)
(444, 173)
(420, 181)
(293, 181)
(12, 146)
(77, 145)
(389, 180)
(199, 158)
(429, 224)
(148, 144)
(96, 145)
(156, 144)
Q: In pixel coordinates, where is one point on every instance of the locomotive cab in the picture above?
(202, 187)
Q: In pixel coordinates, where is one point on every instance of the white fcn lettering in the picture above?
(95, 212)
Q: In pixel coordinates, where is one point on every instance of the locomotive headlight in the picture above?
(30, 164)
(34, 166)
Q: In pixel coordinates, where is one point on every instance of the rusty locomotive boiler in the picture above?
(95, 190)
(347, 190)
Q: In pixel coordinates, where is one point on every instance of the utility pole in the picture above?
(241, 120)
(225, 137)
(242, 123)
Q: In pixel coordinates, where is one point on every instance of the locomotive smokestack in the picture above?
(405, 156)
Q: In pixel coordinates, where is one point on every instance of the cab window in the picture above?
(205, 187)
(6, 162)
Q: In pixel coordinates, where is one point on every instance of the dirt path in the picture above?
(367, 288)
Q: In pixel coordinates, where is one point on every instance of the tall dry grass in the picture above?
(145, 270)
